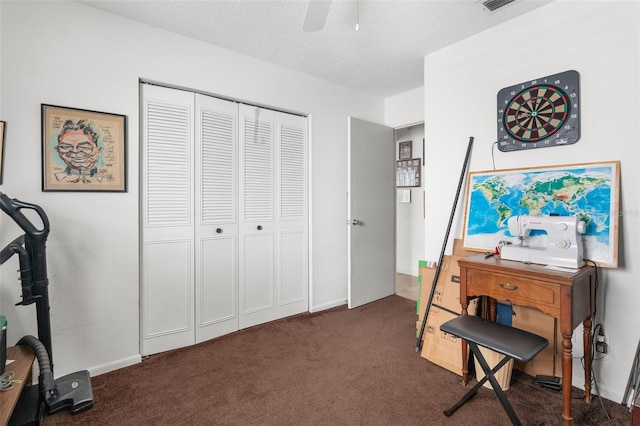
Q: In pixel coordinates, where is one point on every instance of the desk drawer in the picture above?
(509, 287)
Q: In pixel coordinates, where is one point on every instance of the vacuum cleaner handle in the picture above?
(35, 246)
(13, 208)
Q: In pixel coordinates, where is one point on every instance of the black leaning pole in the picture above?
(444, 246)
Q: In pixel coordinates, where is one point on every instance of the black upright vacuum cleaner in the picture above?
(50, 395)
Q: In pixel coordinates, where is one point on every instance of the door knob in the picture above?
(259, 227)
(219, 230)
(354, 222)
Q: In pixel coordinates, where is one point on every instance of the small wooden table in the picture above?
(568, 296)
(22, 365)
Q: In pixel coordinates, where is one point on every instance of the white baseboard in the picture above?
(329, 305)
(115, 365)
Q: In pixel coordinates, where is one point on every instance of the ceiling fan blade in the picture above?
(316, 16)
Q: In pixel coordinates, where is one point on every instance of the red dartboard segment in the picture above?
(536, 113)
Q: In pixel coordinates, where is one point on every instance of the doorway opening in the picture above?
(410, 208)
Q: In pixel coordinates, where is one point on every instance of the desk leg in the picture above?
(588, 355)
(465, 367)
(493, 309)
(464, 302)
(567, 374)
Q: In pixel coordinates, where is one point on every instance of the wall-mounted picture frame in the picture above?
(83, 150)
(404, 150)
(408, 173)
(589, 191)
(403, 196)
(3, 125)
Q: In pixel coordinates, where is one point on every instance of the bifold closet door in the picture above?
(216, 228)
(167, 290)
(273, 215)
(190, 232)
(224, 217)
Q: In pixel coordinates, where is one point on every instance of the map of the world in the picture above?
(589, 191)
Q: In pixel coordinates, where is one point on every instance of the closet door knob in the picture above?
(259, 227)
(219, 230)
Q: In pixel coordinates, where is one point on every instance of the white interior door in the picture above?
(371, 212)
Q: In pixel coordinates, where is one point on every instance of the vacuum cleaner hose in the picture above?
(46, 380)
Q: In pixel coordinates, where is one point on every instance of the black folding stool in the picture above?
(512, 342)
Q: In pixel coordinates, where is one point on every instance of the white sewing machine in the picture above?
(561, 246)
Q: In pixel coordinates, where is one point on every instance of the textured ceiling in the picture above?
(385, 57)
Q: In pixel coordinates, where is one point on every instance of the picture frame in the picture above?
(408, 173)
(83, 150)
(403, 196)
(404, 150)
(3, 126)
(590, 191)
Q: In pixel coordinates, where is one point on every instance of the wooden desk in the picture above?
(567, 296)
(21, 366)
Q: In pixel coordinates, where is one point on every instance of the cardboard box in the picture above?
(425, 279)
(447, 293)
(534, 321)
(442, 348)
(445, 303)
(448, 285)
(458, 249)
(503, 376)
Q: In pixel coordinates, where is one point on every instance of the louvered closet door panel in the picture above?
(257, 164)
(257, 209)
(273, 205)
(216, 248)
(167, 216)
(291, 190)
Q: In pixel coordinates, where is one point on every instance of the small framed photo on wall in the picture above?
(405, 150)
(408, 173)
(83, 150)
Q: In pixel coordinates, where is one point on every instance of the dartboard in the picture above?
(539, 113)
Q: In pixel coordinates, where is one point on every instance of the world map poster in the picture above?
(588, 191)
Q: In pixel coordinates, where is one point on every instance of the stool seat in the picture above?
(511, 342)
(518, 344)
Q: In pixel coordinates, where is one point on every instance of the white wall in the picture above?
(404, 108)
(68, 54)
(599, 39)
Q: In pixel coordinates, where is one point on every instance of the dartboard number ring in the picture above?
(539, 113)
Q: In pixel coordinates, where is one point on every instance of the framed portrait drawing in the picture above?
(2, 127)
(404, 152)
(83, 150)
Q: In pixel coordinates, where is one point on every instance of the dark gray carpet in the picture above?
(336, 367)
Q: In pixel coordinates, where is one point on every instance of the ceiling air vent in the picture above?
(492, 5)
